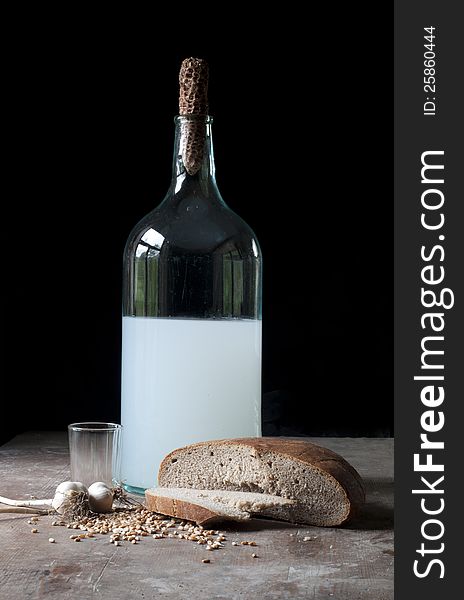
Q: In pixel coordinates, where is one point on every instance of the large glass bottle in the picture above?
(191, 344)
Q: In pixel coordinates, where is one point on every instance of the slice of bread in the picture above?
(206, 506)
(326, 488)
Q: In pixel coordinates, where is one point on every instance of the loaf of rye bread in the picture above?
(326, 489)
(207, 506)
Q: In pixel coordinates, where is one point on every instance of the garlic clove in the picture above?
(100, 497)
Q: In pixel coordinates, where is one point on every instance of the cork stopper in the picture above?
(193, 84)
(193, 104)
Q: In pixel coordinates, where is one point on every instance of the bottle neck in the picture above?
(193, 164)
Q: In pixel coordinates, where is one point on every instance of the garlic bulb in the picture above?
(64, 491)
(71, 497)
(100, 497)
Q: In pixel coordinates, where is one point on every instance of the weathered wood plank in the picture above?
(355, 562)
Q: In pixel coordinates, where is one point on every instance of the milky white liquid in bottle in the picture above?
(191, 380)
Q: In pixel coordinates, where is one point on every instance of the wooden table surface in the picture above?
(352, 562)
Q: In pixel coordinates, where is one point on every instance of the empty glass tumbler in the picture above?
(95, 452)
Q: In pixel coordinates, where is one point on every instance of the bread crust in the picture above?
(328, 462)
(180, 509)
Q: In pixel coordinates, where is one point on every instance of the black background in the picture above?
(302, 131)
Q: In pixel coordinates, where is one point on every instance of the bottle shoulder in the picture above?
(194, 226)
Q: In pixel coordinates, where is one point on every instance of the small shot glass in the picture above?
(95, 452)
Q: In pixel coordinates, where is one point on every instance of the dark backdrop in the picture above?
(301, 134)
